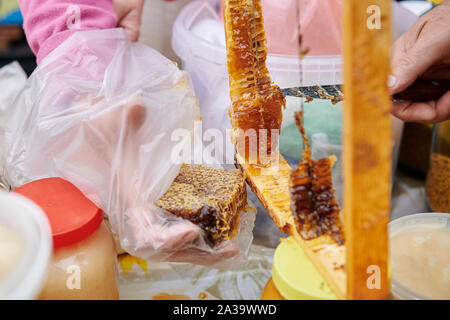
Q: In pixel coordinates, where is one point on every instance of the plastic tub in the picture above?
(308, 284)
(420, 256)
(30, 228)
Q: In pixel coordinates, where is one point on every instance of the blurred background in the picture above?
(13, 45)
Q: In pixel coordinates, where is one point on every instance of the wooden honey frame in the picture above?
(271, 186)
(359, 269)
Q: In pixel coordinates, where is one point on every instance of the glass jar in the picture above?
(84, 261)
(438, 176)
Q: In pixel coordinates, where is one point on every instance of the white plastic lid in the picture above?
(22, 216)
(198, 33)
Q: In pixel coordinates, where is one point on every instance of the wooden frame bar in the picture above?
(367, 147)
(358, 270)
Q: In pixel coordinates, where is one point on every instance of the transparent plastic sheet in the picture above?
(143, 280)
(100, 111)
(408, 193)
(321, 147)
(408, 196)
(266, 232)
(12, 81)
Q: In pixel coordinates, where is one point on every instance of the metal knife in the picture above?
(420, 90)
(331, 92)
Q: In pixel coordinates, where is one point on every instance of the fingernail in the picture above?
(392, 81)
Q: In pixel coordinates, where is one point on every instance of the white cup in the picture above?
(23, 217)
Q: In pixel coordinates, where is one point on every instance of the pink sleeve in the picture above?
(47, 23)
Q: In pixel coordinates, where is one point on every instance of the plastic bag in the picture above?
(142, 280)
(12, 81)
(100, 112)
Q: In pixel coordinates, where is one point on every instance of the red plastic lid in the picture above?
(72, 216)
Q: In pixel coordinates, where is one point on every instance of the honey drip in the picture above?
(313, 205)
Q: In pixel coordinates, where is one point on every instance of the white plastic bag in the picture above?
(12, 81)
(100, 111)
(142, 280)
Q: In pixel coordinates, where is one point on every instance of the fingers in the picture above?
(411, 111)
(177, 236)
(176, 241)
(136, 113)
(425, 112)
(196, 256)
(412, 55)
(443, 108)
(131, 25)
(158, 233)
(129, 16)
(423, 51)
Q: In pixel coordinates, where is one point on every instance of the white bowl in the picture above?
(396, 226)
(24, 217)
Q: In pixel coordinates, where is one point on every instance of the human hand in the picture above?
(129, 14)
(156, 233)
(423, 52)
(175, 240)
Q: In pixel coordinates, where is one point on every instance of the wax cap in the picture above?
(72, 216)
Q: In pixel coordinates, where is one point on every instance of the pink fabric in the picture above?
(320, 22)
(47, 23)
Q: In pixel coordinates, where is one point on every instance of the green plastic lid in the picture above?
(295, 276)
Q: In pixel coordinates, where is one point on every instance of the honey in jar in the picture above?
(83, 264)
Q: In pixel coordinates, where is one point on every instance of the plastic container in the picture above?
(198, 39)
(295, 277)
(157, 15)
(438, 176)
(26, 239)
(84, 263)
(420, 259)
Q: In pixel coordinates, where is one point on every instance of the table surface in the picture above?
(145, 280)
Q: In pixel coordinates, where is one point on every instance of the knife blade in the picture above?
(420, 90)
(330, 92)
